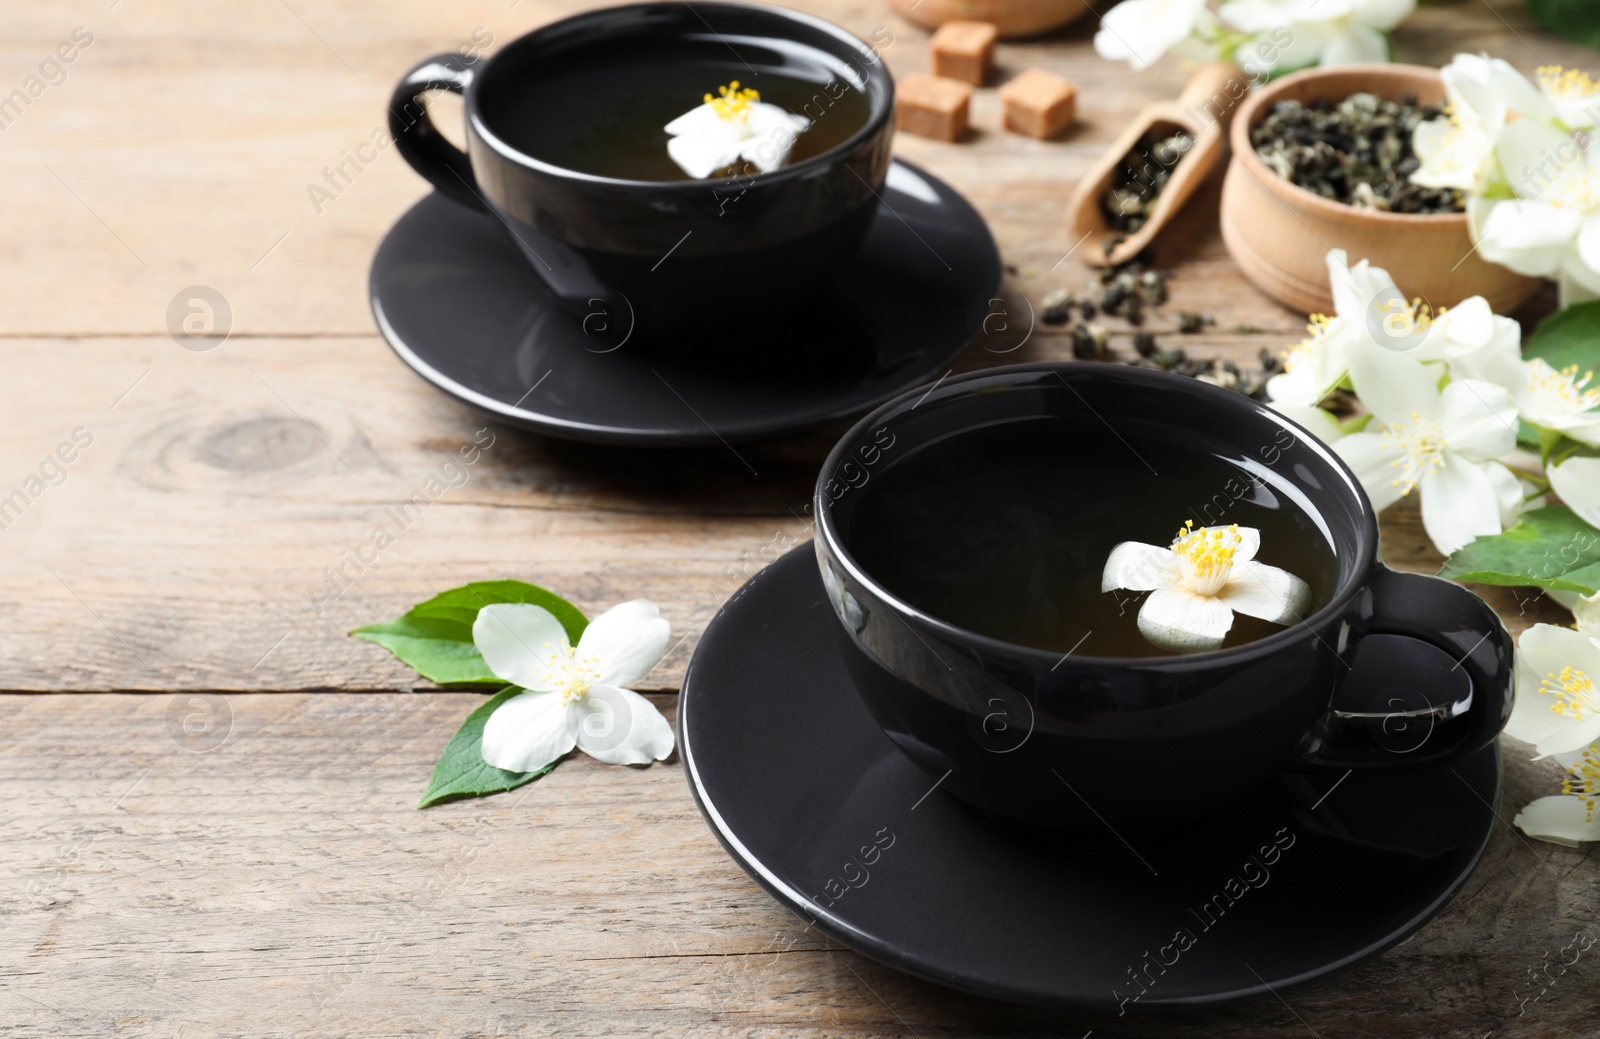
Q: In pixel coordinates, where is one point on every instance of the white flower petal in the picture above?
(528, 732)
(1141, 31)
(1184, 622)
(627, 640)
(1544, 650)
(700, 120)
(1357, 45)
(1459, 503)
(1383, 14)
(1474, 99)
(1254, 16)
(1529, 237)
(701, 155)
(1537, 155)
(1487, 89)
(1395, 387)
(1509, 490)
(519, 641)
(1248, 545)
(1258, 590)
(1490, 351)
(1532, 721)
(1547, 648)
(1136, 567)
(1478, 419)
(1357, 287)
(1452, 154)
(1579, 282)
(620, 727)
(1372, 460)
(765, 118)
(1577, 482)
(1560, 819)
(1305, 44)
(1586, 612)
(1469, 324)
(1588, 243)
(1541, 652)
(769, 151)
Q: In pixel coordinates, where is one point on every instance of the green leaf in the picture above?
(1575, 19)
(461, 605)
(1550, 548)
(435, 637)
(1570, 336)
(462, 772)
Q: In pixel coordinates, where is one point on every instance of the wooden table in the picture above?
(264, 872)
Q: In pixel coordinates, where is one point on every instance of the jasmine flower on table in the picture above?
(1561, 401)
(1446, 444)
(575, 695)
(1557, 709)
(1533, 192)
(1315, 368)
(1483, 94)
(1371, 313)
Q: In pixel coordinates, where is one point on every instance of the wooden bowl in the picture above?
(1011, 17)
(1279, 234)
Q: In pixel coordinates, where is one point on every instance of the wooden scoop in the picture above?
(1203, 110)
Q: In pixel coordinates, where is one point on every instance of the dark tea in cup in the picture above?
(617, 99)
(1006, 530)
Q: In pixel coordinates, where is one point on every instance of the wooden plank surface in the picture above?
(282, 883)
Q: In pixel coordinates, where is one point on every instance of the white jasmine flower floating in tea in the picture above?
(574, 694)
(1198, 584)
(732, 126)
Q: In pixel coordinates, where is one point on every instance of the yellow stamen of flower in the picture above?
(1583, 780)
(1206, 556)
(567, 673)
(1306, 351)
(1563, 390)
(732, 103)
(1567, 83)
(1422, 445)
(1401, 320)
(1573, 690)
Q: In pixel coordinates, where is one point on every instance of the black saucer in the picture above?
(811, 798)
(459, 304)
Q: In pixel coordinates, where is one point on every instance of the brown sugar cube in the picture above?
(932, 107)
(964, 51)
(1039, 103)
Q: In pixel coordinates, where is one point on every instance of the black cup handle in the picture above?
(1431, 680)
(419, 141)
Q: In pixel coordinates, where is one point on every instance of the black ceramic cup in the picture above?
(663, 258)
(1396, 671)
